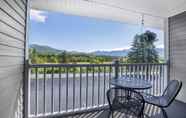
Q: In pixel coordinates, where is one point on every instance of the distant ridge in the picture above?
(43, 49)
(122, 53)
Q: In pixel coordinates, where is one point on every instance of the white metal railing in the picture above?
(57, 89)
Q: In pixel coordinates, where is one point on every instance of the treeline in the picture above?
(66, 57)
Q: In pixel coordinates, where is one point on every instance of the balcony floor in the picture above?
(176, 110)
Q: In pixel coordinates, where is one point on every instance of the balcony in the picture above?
(70, 89)
(74, 90)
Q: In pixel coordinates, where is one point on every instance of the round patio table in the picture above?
(131, 83)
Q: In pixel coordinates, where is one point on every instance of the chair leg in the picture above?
(164, 113)
(141, 115)
(111, 113)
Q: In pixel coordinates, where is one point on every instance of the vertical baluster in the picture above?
(110, 71)
(98, 83)
(52, 91)
(145, 74)
(163, 75)
(156, 84)
(149, 78)
(121, 70)
(159, 74)
(36, 91)
(87, 86)
(59, 89)
(130, 69)
(74, 75)
(157, 79)
(44, 91)
(143, 71)
(135, 69)
(142, 74)
(93, 87)
(136, 72)
(67, 69)
(80, 90)
(140, 69)
(116, 64)
(126, 70)
(104, 87)
(153, 79)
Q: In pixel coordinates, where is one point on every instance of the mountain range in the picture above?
(116, 53)
(43, 49)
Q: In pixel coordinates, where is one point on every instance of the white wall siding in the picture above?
(12, 56)
(177, 34)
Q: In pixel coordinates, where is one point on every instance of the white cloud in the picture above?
(37, 15)
(160, 46)
(124, 48)
(115, 49)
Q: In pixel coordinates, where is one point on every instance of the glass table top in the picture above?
(131, 83)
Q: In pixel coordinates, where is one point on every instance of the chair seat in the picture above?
(126, 105)
(160, 101)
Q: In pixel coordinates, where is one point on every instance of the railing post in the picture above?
(167, 73)
(116, 65)
(26, 90)
(147, 71)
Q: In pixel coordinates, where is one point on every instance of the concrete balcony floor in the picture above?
(176, 110)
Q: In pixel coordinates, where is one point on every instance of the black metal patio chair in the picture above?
(125, 101)
(168, 96)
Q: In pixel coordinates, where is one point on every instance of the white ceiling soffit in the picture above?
(128, 11)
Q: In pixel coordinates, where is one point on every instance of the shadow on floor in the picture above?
(176, 110)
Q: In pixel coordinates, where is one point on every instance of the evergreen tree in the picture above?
(33, 55)
(143, 49)
(64, 57)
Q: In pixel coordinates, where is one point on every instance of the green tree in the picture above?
(63, 57)
(33, 55)
(143, 49)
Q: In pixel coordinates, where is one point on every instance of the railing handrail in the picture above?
(67, 65)
(87, 65)
(142, 64)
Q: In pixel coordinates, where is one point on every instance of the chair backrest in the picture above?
(172, 90)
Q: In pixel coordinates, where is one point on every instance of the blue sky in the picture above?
(75, 33)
